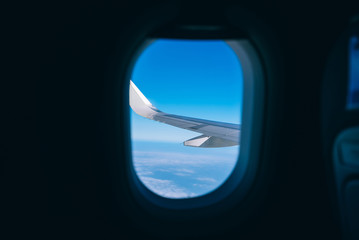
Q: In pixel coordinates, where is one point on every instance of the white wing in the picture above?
(215, 134)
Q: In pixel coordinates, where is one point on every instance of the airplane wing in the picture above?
(214, 134)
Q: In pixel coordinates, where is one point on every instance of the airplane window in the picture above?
(186, 101)
(353, 96)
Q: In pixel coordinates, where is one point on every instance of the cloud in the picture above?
(144, 173)
(205, 186)
(182, 171)
(182, 174)
(206, 179)
(165, 188)
(179, 159)
(185, 170)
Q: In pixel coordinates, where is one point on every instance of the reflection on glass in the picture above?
(353, 95)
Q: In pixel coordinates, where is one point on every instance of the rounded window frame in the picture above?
(237, 185)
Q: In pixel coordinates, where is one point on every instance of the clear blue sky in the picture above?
(201, 79)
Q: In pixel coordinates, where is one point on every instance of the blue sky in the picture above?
(201, 79)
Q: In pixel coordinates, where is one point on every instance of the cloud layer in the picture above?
(178, 174)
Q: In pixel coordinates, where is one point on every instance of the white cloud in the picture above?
(165, 188)
(182, 171)
(144, 173)
(182, 175)
(185, 170)
(179, 159)
(206, 179)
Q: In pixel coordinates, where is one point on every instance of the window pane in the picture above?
(353, 95)
(195, 88)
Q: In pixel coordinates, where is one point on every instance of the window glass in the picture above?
(185, 90)
(353, 95)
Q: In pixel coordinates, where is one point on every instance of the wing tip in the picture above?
(140, 104)
(140, 94)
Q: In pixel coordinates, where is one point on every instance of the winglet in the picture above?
(140, 104)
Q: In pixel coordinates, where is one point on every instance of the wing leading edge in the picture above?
(214, 134)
